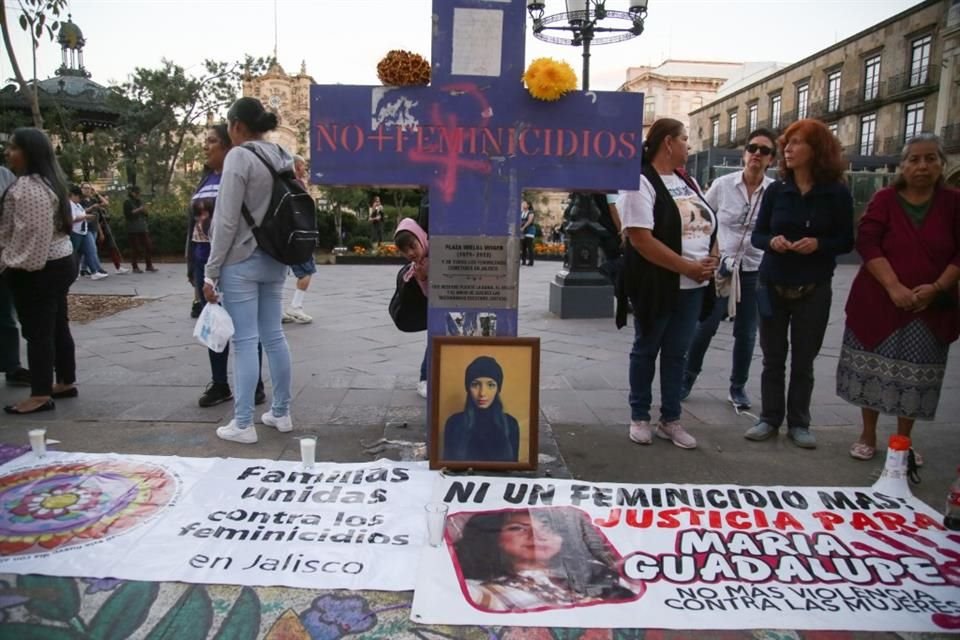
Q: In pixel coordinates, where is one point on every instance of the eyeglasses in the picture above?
(763, 149)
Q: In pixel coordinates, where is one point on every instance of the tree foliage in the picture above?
(37, 17)
(164, 106)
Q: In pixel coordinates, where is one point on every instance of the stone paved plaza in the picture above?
(141, 372)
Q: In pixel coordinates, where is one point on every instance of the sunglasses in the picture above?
(763, 149)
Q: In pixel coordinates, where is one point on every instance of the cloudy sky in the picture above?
(342, 40)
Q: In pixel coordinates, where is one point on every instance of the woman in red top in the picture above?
(902, 313)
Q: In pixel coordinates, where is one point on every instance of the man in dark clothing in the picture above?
(135, 212)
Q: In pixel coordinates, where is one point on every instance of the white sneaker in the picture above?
(640, 432)
(286, 318)
(422, 388)
(99, 276)
(232, 432)
(121, 271)
(297, 315)
(282, 424)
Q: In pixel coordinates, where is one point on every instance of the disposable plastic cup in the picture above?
(436, 521)
(38, 442)
(308, 451)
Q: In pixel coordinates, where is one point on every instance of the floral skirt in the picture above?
(902, 376)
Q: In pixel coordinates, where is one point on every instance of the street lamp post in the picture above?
(583, 27)
(580, 26)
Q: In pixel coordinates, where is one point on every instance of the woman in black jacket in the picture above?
(805, 221)
(669, 259)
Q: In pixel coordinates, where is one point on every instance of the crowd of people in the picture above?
(754, 249)
(771, 267)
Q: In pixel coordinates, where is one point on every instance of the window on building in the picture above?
(733, 126)
(833, 92)
(834, 129)
(753, 112)
(649, 110)
(715, 130)
(868, 134)
(920, 60)
(775, 103)
(803, 99)
(913, 122)
(871, 78)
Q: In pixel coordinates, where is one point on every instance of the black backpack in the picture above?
(288, 232)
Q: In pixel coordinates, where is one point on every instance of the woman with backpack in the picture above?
(669, 259)
(251, 281)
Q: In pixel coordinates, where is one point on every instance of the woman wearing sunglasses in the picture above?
(736, 199)
(805, 221)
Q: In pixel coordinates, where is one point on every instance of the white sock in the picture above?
(298, 295)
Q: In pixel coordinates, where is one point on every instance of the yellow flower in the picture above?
(548, 79)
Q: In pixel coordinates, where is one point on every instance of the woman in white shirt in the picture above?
(37, 258)
(736, 199)
(668, 262)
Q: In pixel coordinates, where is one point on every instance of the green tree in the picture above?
(37, 17)
(341, 199)
(165, 105)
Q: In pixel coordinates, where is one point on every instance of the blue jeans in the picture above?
(252, 295)
(744, 332)
(670, 338)
(86, 247)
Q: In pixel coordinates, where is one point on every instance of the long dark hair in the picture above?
(585, 560)
(41, 161)
(658, 133)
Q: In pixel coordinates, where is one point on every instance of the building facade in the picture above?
(676, 87)
(288, 96)
(873, 90)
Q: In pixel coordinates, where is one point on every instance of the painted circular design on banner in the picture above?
(64, 505)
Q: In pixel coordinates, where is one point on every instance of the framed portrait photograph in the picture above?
(485, 403)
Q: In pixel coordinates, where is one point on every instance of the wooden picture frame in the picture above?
(456, 403)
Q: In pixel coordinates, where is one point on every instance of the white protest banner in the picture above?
(211, 520)
(566, 553)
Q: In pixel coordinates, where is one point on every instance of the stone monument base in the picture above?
(581, 295)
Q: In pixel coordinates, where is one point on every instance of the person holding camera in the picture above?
(736, 198)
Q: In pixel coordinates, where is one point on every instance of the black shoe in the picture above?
(214, 394)
(259, 396)
(49, 405)
(71, 392)
(195, 309)
(19, 378)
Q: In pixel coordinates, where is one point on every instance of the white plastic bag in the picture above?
(214, 327)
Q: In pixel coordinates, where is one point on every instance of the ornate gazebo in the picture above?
(86, 104)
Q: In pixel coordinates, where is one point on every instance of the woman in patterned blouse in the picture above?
(37, 259)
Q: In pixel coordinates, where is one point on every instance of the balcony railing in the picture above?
(924, 78)
(951, 137)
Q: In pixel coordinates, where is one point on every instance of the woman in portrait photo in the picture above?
(483, 430)
(535, 559)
